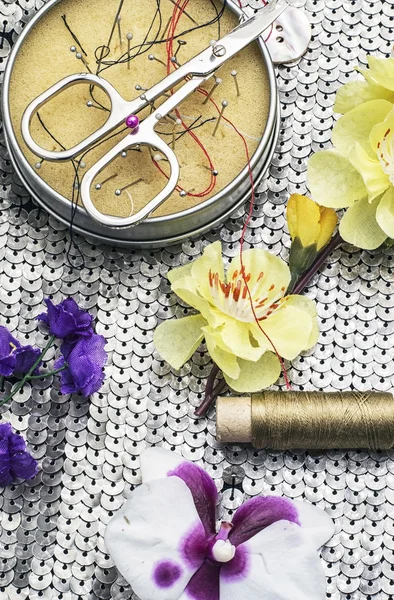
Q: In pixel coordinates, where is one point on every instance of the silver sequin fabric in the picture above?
(51, 528)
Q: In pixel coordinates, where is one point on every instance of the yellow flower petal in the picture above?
(186, 289)
(237, 337)
(306, 304)
(358, 225)
(180, 272)
(255, 376)
(225, 360)
(356, 125)
(328, 222)
(303, 216)
(289, 329)
(354, 93)
(375, 179)
(385, 212)
(177, 339)
(381, 71)
(384, 130)
(333, 181)
(211, 260)
(268, 275)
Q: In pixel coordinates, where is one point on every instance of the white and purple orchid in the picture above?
(165, 542)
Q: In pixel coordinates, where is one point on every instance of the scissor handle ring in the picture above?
(118, 109)
(138, 138)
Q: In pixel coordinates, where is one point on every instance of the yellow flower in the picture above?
(312, 224)
(311, 227)
(234, 340)
(359, 174)
(378, 84)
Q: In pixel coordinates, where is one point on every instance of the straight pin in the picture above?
(177, 122)
(153, 57)
(110, 35)
(81, 57)
(224, 105)
(120, 190)
(185, 13)
(166, 29)
(234, 76)
(120, 31)
(218, 81)
(98, 186)
(180, 43)
(129, 37)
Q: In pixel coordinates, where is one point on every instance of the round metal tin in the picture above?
(155, 231)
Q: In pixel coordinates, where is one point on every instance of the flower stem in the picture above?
(28, 375)
(44, 375)
(315, 267)
(211, 393)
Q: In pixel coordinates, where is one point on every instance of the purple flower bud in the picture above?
(66, 319)
(85, 360)
(15, 461)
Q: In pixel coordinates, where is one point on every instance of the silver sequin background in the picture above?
(51, 529)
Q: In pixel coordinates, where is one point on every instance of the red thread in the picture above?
(242, 239)
(176, 15)
(169, 48)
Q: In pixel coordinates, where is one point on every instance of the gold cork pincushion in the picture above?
(45, 57)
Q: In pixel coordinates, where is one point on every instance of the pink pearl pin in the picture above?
(132, 121)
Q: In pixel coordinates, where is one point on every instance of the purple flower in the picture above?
(15, 358)
(165, 542)
(15, 461)
(66, 319)
(85, 361)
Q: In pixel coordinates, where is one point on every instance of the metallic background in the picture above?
(51, 542)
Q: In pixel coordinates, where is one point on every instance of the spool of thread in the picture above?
(312, 420)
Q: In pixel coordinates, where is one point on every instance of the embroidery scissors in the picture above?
(195, 72)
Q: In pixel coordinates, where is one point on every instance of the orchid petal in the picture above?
(333, 180)
(375, 179)
(356, 125)
(315, 523)
(385, 213)
(258, 513)
(157, 462)
(203, 490)
(280, 564)
(359, 227)
(176, 340)
(146, 539)
(354, 93)
(204, 585)
(255, 376)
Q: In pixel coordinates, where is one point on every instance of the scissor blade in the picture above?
(240, 37)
